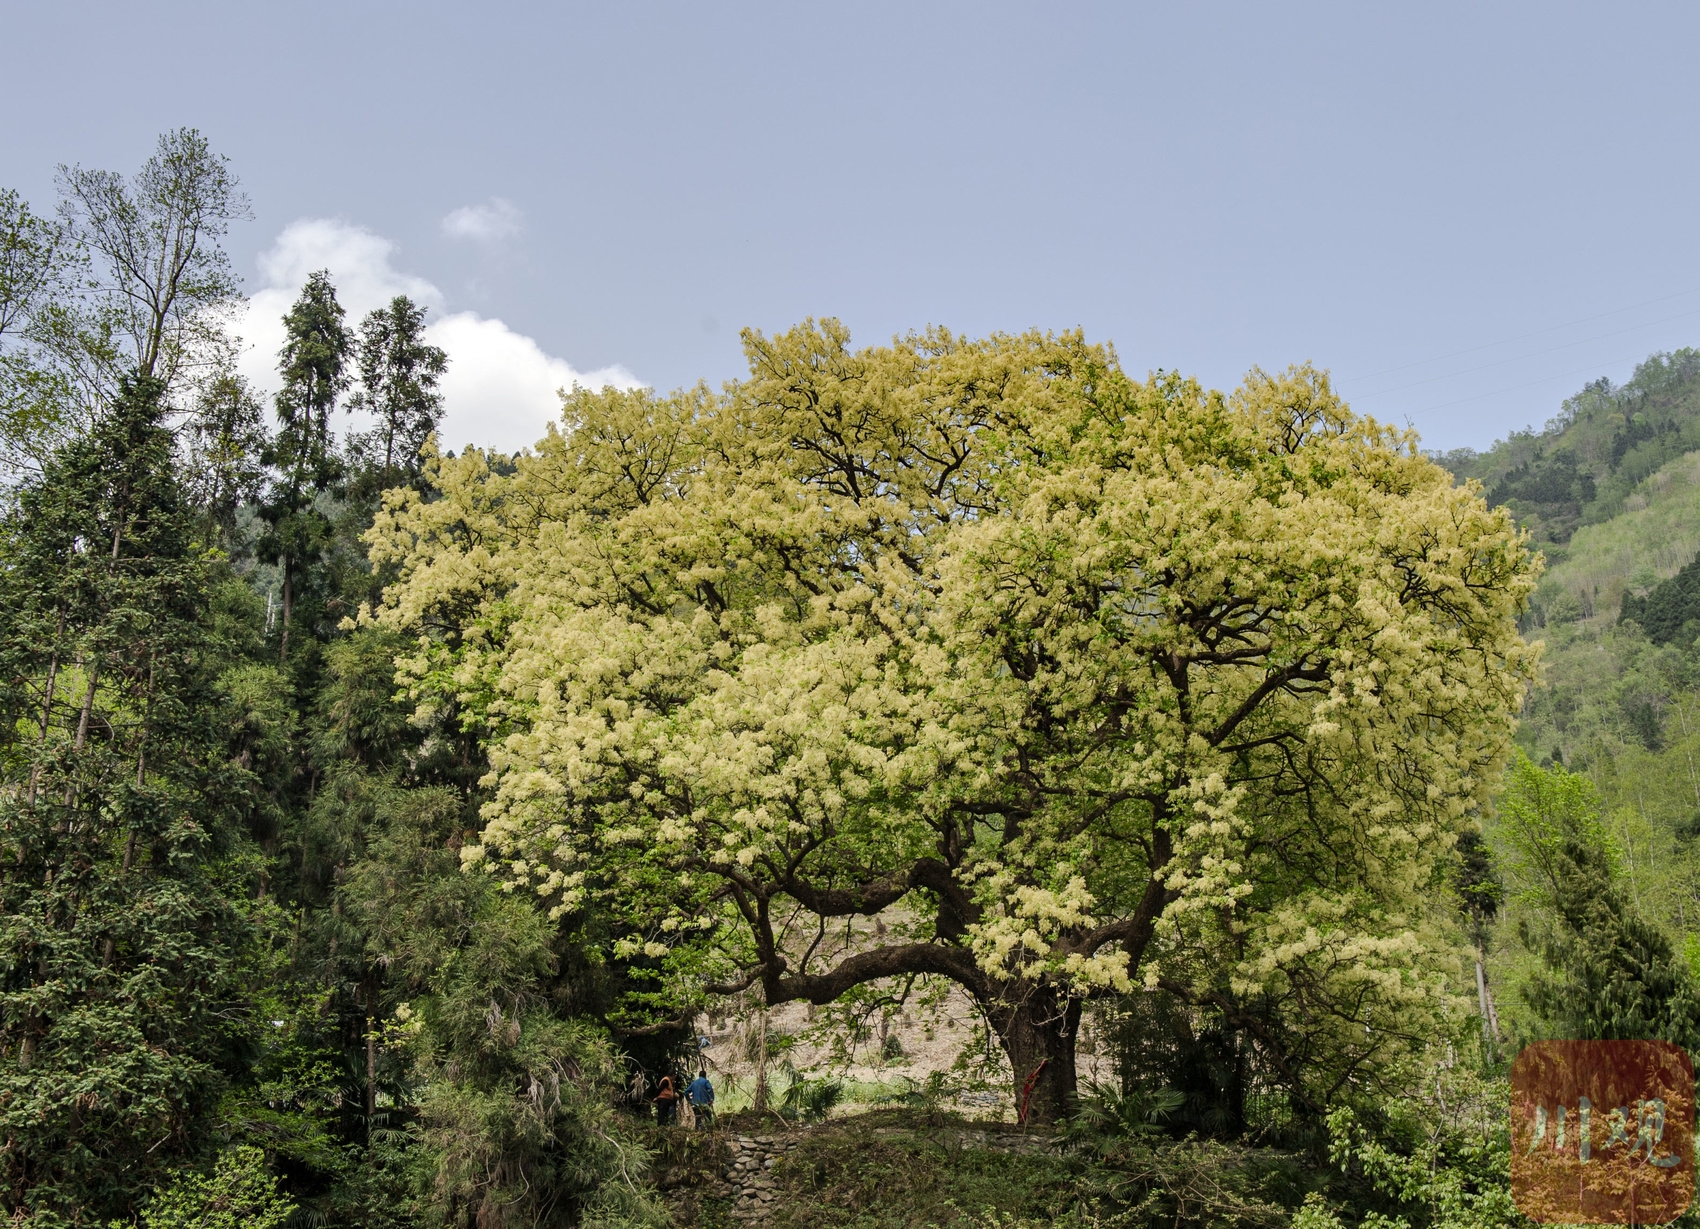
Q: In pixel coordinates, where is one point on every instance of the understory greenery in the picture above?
(376, 823)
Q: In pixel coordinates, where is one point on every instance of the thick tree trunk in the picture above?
(1038, 1032)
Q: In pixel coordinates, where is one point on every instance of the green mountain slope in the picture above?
(1606, 440)
(1655, 534)
(1610, 492)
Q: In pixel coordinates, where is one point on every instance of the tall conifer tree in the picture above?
(312, 364)
(399, 373)
(119, 951)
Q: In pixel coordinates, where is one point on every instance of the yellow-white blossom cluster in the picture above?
(1090, 642)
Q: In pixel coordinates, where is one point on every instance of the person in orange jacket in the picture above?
(666, 1102)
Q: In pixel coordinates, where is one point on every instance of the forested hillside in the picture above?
(380, 826)
(1610, 492)
(1583, 467)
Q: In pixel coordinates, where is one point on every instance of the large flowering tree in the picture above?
(1079, 681)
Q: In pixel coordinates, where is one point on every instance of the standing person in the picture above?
(666, 1102)
(700, 1093)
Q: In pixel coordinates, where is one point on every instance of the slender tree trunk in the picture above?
(82, 733)
(94, 666)
(88, 708)
(371, 1056)
(1481, 997)
(288, 601)
(111, 946)
(1038, 1032)
(47, 703)
(759, 1098)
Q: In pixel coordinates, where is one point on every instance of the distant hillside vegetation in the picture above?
(1670, 613)
(1583, 466)
(1656, 533)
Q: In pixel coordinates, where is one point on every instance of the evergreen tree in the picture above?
(240, 966)
(1610, 973)
(1667, 612)
(121, 955)
(399, 372)
(226, 444)
(511, 1085)
(312, 365)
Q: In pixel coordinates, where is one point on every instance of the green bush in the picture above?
(240, 1193)
(811, 1100)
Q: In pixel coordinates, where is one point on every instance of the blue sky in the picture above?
(1464, 211)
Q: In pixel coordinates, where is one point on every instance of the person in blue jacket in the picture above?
(701, 1094)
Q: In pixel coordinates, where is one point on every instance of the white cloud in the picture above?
(491, 222)
(498, 382)
(500, 388)
(359, 261)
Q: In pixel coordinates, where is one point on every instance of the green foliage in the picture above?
(243, 978)
(1481, 889)
(36, 257)
(1443, 1178)
(315, 351)
(853, 637)
(1543, 815)
(1162, 1046)
(240, 1193)
(299, 530)
(1656, 534)
(1612, 973)
(1604, 961)
(931, 1095)
(1202, 1183)
(163, 280)
(888, 1171)
(226, 442)
(1047, 659)
(125, 941)
(1107, 1113)
(399, 372)
(810, 1100)
(848, 1177)
(1671, 612)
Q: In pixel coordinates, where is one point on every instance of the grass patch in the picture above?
(891, 1168)
(857, 1177)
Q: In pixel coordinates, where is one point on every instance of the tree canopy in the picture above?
(1090, 681)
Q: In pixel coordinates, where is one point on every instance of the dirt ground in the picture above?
(928, 1036)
